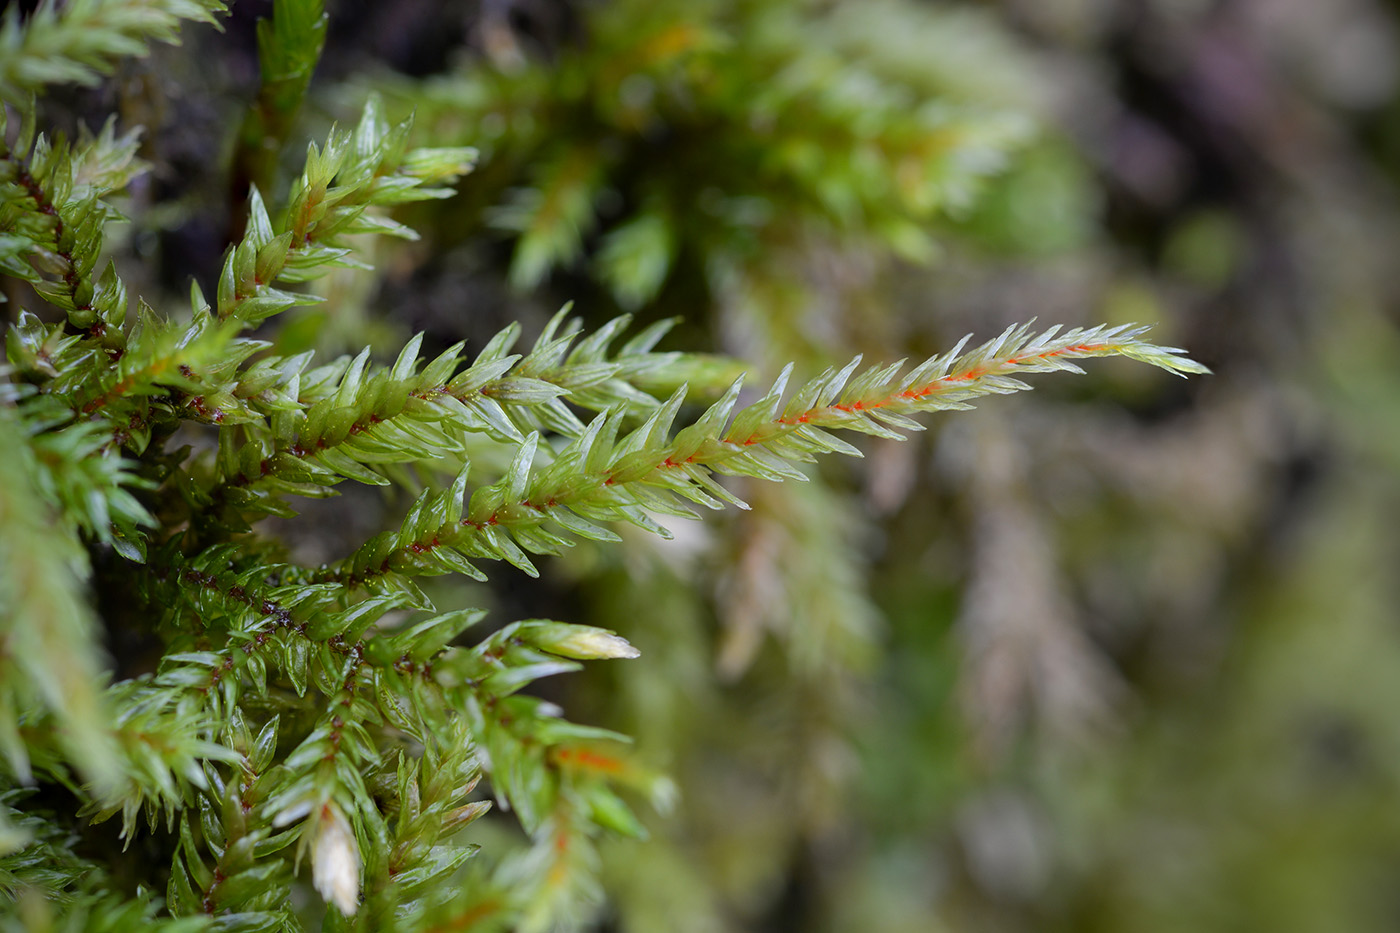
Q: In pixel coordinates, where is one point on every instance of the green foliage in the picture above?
(733, 135)
(42, 877)
(289, 46)
(79, 42)
(329, 723)
(50, 634)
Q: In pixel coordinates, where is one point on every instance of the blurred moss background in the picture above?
(1122, 654)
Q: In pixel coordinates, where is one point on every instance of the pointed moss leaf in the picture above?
(259, 231)
(347, 395)
(500, 541)
(346, 466)
(499, 346)
(506, 682)
(452, 561)
(408, 358)
(493, 419)
(747, 423)
(456, 494)
(297, 654)
(609, 811)
(525, 391)
(581, 526)
(425, 639)
(440, 369)
(398, 585)
(658, 426)
(593, 347)
(517, 477)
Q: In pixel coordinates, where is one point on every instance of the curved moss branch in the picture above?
(597, 478)
(78, 42)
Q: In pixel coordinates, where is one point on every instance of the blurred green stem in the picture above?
(289, 46)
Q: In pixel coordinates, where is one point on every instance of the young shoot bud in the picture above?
(335, 860)
(582, 642)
